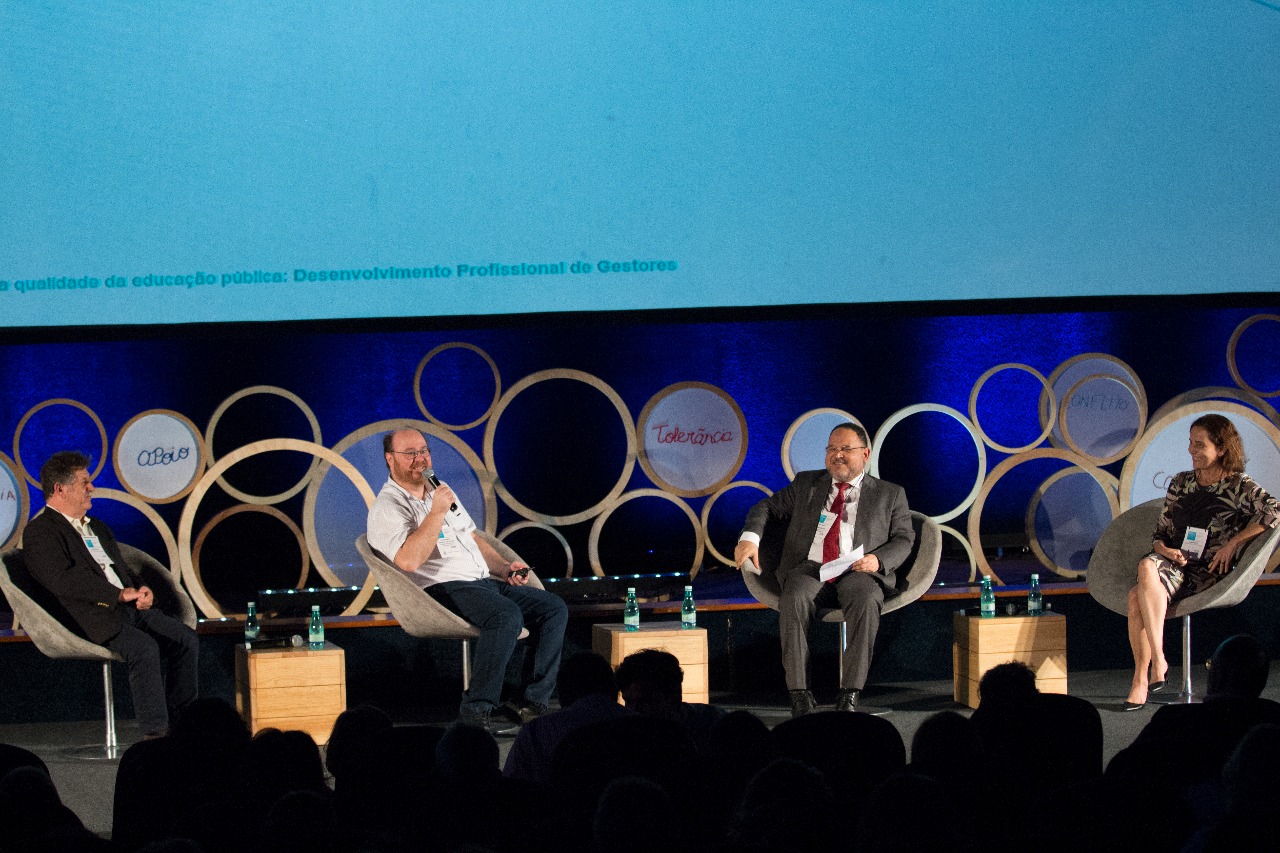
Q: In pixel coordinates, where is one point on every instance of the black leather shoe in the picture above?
(847, 701)
(1132, 706)
(802, 702)
(1157, 686)
(484, 720)
(522, 712)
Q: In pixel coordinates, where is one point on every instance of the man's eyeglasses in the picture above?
(413, 454)
(845, 449)
(520, 573)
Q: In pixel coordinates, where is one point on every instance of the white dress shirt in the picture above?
(848, 517)
(94, 544)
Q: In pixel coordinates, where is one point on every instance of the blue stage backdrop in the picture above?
(542, 419)
(626, 264)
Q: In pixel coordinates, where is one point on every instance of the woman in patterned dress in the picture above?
(1223, 508)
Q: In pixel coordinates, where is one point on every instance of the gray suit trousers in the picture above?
(859, 595)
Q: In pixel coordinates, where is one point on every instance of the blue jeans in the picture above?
(500, 610)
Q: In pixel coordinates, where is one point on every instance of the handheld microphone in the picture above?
(275, 642)
(430, 474)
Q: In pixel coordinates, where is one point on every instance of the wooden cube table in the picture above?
(1038, 641)
(689, 645)
(293, 688)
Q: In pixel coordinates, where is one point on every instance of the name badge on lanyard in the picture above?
(450, 543)
(448, 546)
(95, 550)
(1193, 542)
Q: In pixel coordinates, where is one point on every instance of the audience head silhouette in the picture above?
(651, 682)
(585, 674)
(1239, 667)
(1007, 683)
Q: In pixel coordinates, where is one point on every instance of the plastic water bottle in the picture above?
(315, 631)
(631, 613)
(1035, 603)
(688, 612)
(252, 630)
(988, 599)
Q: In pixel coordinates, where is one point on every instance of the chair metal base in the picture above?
(109, 749)
(91, 752)
(1185, 696)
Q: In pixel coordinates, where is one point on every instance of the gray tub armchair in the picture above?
(38, 613)
(914, 578)
(421, 615)
(1113, 570)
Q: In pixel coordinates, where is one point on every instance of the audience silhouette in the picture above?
(630, 780)
(588, 694)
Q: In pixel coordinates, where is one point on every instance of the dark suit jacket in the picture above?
(883, 526)
(57, 558)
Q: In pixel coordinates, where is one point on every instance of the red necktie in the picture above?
(831, 544)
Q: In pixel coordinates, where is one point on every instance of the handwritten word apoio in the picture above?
(161, 456)
(668, 434)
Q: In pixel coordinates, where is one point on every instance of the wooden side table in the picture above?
(294, 688)
(689, 645)
(1038, 641)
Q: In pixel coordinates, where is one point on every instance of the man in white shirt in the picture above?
(76, 558)
(828, 514)
(421, 528)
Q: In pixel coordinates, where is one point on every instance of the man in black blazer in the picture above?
(828, 514)
(76, 558)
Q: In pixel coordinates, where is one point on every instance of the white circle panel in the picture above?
(158, 456)
(1100, 417)
(334, 512)
(693, 438)
(804, 445)
(1162, 452)
(1083, 366)
(13, 503)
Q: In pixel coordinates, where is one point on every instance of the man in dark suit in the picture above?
(76, 558)
(828, 515)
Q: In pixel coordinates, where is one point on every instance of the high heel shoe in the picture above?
(1158, 686)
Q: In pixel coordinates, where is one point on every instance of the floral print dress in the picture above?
(1224, 509)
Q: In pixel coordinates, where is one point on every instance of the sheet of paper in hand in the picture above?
(839, 565)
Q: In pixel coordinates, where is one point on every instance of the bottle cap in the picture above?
(688, 589)
(630, 590)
